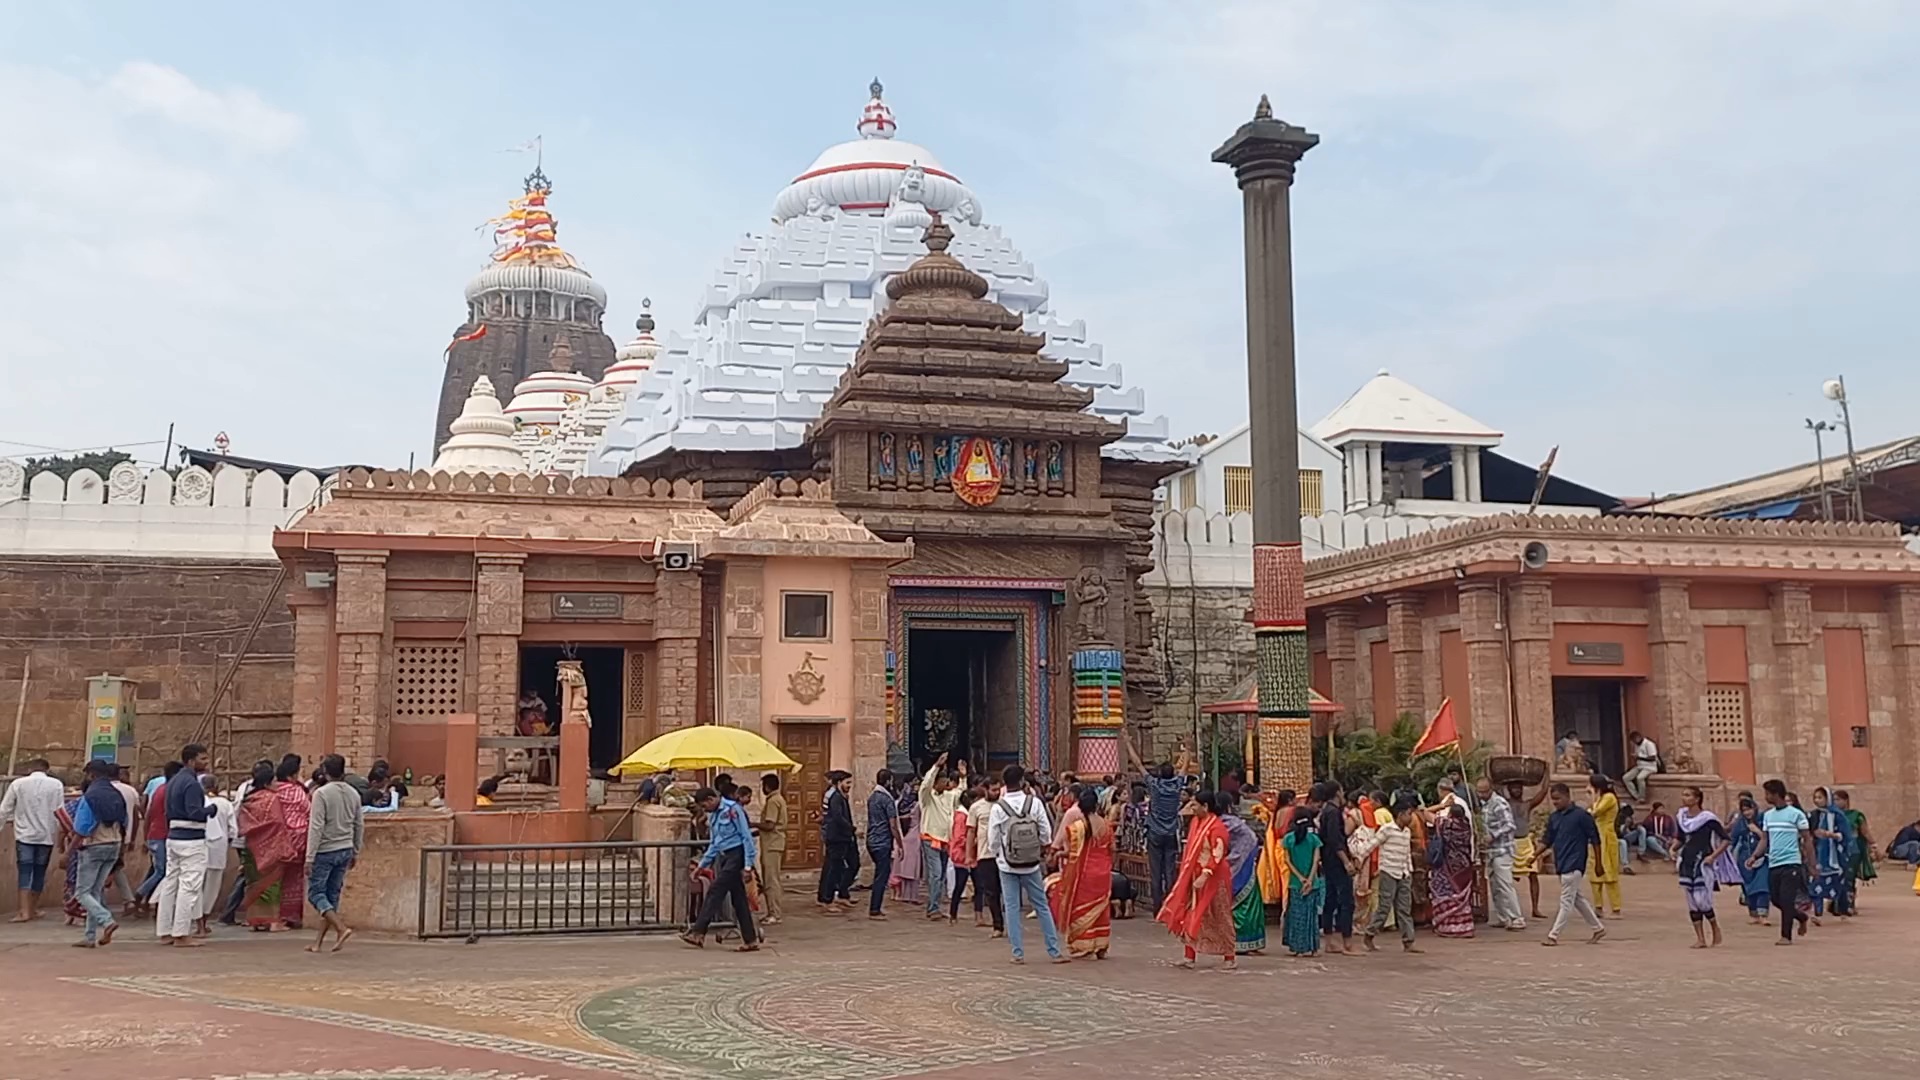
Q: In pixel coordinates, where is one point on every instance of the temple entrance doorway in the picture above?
(1595, 710)
(605, 668)
(963, 696)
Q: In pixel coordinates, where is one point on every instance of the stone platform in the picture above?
(845, 998)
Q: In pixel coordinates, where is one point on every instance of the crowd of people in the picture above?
(1333, 870)
(289, 838)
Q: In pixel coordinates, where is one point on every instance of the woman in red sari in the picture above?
(1199, 909)
(1083, 893)
(274, 860)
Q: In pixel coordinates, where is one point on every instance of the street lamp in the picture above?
(1836, 391)
(1820, 463)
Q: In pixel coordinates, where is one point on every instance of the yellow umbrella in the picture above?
(708, 746)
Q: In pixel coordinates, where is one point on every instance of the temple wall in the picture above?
(190, 513)
(172, 624)
(1204, 648)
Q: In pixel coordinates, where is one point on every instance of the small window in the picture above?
(1239, 491)
(803, 616)
(1313, 500)
(1186, 491)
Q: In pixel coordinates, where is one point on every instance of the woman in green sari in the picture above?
(1860, 861)
(1249, 909)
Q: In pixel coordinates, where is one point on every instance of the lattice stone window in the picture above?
(636, 684)
(426, 678)
(1239, 493)
(1727, 716)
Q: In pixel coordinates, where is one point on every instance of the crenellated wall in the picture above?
(191, 514)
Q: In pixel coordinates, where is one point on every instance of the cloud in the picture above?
(236, 116)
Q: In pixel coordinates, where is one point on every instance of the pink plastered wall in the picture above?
(832, 659)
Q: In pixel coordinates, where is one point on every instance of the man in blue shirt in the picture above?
(732, 855)
(1163, 825)
(883, 839)
(1788, 851)
(1570, 834)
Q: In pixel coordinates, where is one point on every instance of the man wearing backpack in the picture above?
(1018, 834)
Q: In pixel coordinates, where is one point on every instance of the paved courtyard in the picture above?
(835, 998)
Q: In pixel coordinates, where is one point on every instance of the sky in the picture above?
(1642, 231)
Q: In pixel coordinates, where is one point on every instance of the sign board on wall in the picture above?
(1599, 653)
(586, 605)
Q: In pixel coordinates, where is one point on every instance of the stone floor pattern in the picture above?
(835, 999)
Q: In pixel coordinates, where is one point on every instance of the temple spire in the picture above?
(482, 439)
(876, 120)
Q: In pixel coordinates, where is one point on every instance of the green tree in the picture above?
(65, 465)
(1366, 760)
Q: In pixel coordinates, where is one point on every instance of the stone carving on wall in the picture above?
(1090, 592)
(916, 460)
(805, 684)
(1056, 465)
(193, 487)
(1030, 465)
(573, 694)
(13, 479)
(943, 458)
(884, 466)
(124, 484)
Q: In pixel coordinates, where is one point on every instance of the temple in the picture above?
(530, 299)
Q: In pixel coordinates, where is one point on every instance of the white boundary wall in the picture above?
(195, 514)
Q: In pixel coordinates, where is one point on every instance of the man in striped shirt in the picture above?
(1394, 842)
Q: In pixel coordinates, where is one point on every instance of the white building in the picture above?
(1221, 479)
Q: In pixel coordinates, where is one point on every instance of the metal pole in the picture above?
(1853, 462)
(1820, 463)
(19, 711)
(1262, 154)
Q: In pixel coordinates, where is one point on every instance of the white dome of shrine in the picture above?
(482, 437)
(862, 176)
(541, 398)
(636, 356)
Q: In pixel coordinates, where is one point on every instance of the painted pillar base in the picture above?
(1283, 667)
(1099, 709)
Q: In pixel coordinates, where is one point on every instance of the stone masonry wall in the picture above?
(1203, 645)
(172, 624)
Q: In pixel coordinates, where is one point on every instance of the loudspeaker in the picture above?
(676, 555)
(1534, 555)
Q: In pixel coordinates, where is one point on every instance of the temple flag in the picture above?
(475, 336)
(1442, 732)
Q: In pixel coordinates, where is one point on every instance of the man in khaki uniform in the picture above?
(773, 846)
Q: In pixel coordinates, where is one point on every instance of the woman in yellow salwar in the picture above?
(1605, 863)
(1083, 891)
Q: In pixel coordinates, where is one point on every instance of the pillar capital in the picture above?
(1265, 148)
(501, 559)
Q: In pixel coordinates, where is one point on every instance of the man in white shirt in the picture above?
(1018, 833)
(136, 828)
(32, 803)
(220, 832)
(986, 869)
(1646, 762)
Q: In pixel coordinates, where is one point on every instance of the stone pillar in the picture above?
(677, 628)
(1406, 631)
(744, 623)
(1263, 153)
(463, 761)
(313, 689)
(1099, 709)
(498, 618)
(1903, 633)
(360, 625)
(1473, 473)
(1796, 727)
(575, 735)
(1343, 656)
(1486, 649)
(1459, 471)
(1678, 680)
(871, 672)
(1530, 622)
(1376, 474)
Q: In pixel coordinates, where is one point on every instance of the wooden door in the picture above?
(810, 745)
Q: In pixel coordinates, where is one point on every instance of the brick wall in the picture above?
(173, 624)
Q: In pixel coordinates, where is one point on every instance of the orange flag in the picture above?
(475, 336)
(1441, 731)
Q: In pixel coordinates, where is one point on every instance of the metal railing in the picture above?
(490, 890)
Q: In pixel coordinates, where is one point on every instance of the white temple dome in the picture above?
(861, 176)
(527, 256)
(636, 356)
(482, 439)
(542, 397)
(520, 277)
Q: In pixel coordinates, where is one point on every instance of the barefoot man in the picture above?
(335, 832)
